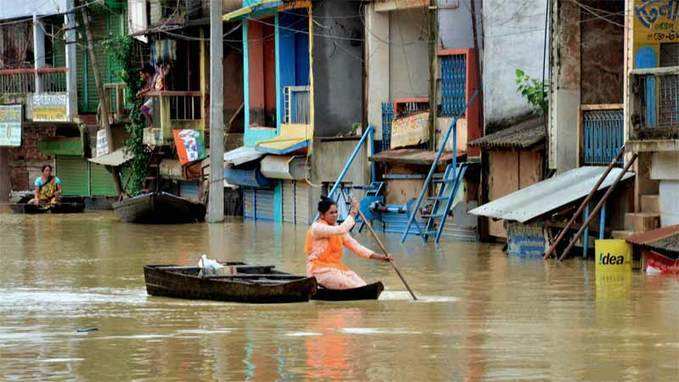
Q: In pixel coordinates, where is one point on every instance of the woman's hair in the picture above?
(325, 204)
(148, 69)
(45, 166)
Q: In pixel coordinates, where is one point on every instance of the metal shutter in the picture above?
(289, 201)
(264, 204)
(101, 181)
(74, 175)
(249, 203)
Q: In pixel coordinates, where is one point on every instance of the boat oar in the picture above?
(384, 250)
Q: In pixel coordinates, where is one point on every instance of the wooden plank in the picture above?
(605, 106)
(410, 156)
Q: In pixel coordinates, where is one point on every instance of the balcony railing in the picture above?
(115, 93)
(601, 133)
(174, 109)
(23, 80)
(655, 103)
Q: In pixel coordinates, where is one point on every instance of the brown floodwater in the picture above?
(483, 315)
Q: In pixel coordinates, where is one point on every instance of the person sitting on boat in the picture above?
(47, 187)
(323, 247)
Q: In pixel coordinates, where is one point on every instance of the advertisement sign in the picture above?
(102, 143)
(411, 130)
(50, 107)
(655, 22)
(190, 145)
(10, 125)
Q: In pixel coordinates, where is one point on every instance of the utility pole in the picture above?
(215, 206)
(101, 94)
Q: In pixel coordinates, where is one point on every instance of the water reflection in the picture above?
(484, 316)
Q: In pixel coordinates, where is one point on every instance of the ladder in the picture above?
(443, 201)
(450, 183)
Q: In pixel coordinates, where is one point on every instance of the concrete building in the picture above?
(513, 38)
(46, 90)
(302, 101)
(651, 108)
(586, 83)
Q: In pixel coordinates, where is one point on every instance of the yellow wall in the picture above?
(654, 22)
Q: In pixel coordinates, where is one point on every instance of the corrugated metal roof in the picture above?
(114, 159)
(520, 136)
(242, 155)
(550, 194)
(654, 235)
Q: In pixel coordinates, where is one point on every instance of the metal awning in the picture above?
(116, 158)
(241, 155)
(549, 195)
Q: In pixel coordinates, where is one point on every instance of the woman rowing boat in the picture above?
(47, 188)
(323, 247)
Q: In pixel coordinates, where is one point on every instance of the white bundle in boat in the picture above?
(208, 267)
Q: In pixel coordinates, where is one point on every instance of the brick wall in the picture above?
(25, 161)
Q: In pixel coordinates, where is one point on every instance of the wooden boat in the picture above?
(67, 205)
(159, 208)
(249, 284)
(368, 292)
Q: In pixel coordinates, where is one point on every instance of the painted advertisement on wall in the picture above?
(190, 145)
(656, 23)
(10, 125)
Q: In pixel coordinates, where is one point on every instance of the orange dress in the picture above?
(323, 248)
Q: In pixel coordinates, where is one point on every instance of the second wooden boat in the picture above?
(159, 208)
(67, 205)
(249, 284)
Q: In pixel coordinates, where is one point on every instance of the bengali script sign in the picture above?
(50, 107)
(10, 125)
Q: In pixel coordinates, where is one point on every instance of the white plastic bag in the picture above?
(208, 267)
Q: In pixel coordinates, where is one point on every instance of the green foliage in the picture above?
(122, 50)
(534, 91)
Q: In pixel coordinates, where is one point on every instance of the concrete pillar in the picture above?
(565, 87)
(38, 50)
(377, 65)
(215, 207)
(72, 74)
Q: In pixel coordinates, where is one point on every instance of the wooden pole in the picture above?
(215, 213)
(384, 250)
(584, 203)
(101, 94)
(601, 203)
(5, 184)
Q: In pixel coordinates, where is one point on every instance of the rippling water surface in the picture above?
(482, 315)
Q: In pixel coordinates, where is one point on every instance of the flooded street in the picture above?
(484, 316)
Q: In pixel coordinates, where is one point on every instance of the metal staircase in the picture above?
(449, 184)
